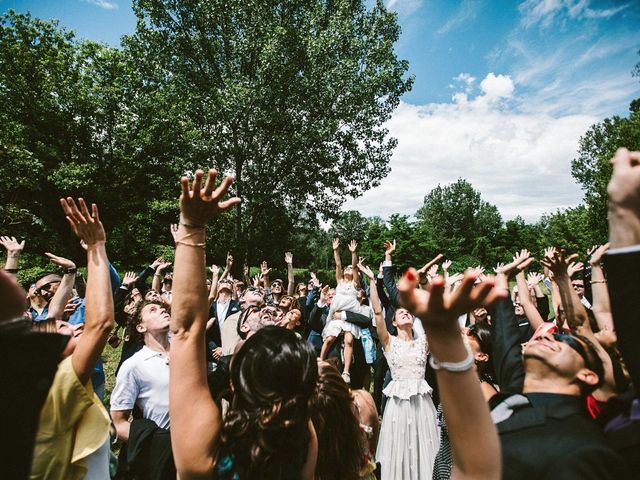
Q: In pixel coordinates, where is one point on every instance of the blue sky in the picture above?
(503, 90)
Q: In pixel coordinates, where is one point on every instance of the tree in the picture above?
(592, 169)
(289, 96)
(569, 229)
(459, 221)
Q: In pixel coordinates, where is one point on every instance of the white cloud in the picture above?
(497, 86)
(466, 12)
(519, 161)
(104, 4)
(547, 12)
(405, 7)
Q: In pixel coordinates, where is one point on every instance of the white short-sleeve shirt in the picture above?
(143, 380)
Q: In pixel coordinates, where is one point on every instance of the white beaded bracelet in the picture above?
(462, 366)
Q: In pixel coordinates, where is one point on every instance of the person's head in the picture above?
(302, 289)
(578, 286)
(569, 358)
(347, 273)
(150, 318)
(255, 318)
(277, 287)
(253, 296)
(403, 318)
(273, 377)
(167, 282)
(225, 289)
(330, 294)
(292, 319)
(479, 338)
(46, 285)
(152, 296)
(361, 295)
(340, 442)
(517, 307)
(310, 285)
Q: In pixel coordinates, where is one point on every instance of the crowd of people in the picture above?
(529, 372)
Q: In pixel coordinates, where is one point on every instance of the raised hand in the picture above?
(364, 269)
(87, 226)
(389, 247)
(574, 267)
(353, 245)
(198, 205)
(257, 280)
(521, 260)
(424, 271)
(335, 243)
(264, 269)
(129, 278)
(596, 255)
(62, 262)
(433, 271)
(558, 261)
(314, 279)
(288, 258)
(229, 261)
(446, 265)
(534, 278)
(157, 262)
(174, 231)
(455, 278)
(439, 308)
(245, 270)
(215, 270)
(624, 199)
(12, 245)
(163, 266)
(324, 297)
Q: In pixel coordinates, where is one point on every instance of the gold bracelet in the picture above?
(597, 281)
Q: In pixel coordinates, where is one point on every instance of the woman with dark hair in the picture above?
(267, 432)
(345, 438)
(478, 337)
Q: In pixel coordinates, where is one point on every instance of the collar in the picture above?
(146, 353)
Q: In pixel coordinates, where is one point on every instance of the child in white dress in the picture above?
(345, 299)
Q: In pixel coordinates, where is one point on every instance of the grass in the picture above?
(110, 358)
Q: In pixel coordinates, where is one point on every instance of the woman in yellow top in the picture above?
(73, 435)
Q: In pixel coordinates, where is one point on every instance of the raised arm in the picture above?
(156, 283)
(353, 247)
(213, 291)
(381, 326)
(63, 294)
(530, 308)
(601, 303)
(474, 438)
(195, 418)
(99, 316)
(227, 266)
(336, 257)
(14, 249)
(291, 280)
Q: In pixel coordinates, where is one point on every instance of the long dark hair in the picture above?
(340, 441)
(481, 331)
(265, 431)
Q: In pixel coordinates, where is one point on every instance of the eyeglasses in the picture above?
(259, 290)
(576, 346)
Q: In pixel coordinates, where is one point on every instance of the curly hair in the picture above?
(266, 430)
(340, 441)
(135, 319)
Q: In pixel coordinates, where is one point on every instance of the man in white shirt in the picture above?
(143, 379)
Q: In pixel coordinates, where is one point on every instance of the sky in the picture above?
(503, 91)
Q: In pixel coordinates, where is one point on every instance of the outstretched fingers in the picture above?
(211, 182)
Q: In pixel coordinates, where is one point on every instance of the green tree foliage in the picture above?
(460, 222)
(289, 96)
(592, 169)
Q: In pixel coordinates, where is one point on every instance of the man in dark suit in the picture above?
(223, 307)
(623, 279)
(540, 411)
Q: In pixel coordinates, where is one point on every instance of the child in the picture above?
(344, 300)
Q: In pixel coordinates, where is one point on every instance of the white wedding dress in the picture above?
(345, 300)
(409, 437)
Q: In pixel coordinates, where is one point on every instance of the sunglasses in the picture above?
(46, 287)
(576, 346)
(260, 290)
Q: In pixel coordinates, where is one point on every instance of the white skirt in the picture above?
(409, 438)
(336, 327)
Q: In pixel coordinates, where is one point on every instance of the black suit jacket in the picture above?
(552, 438)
